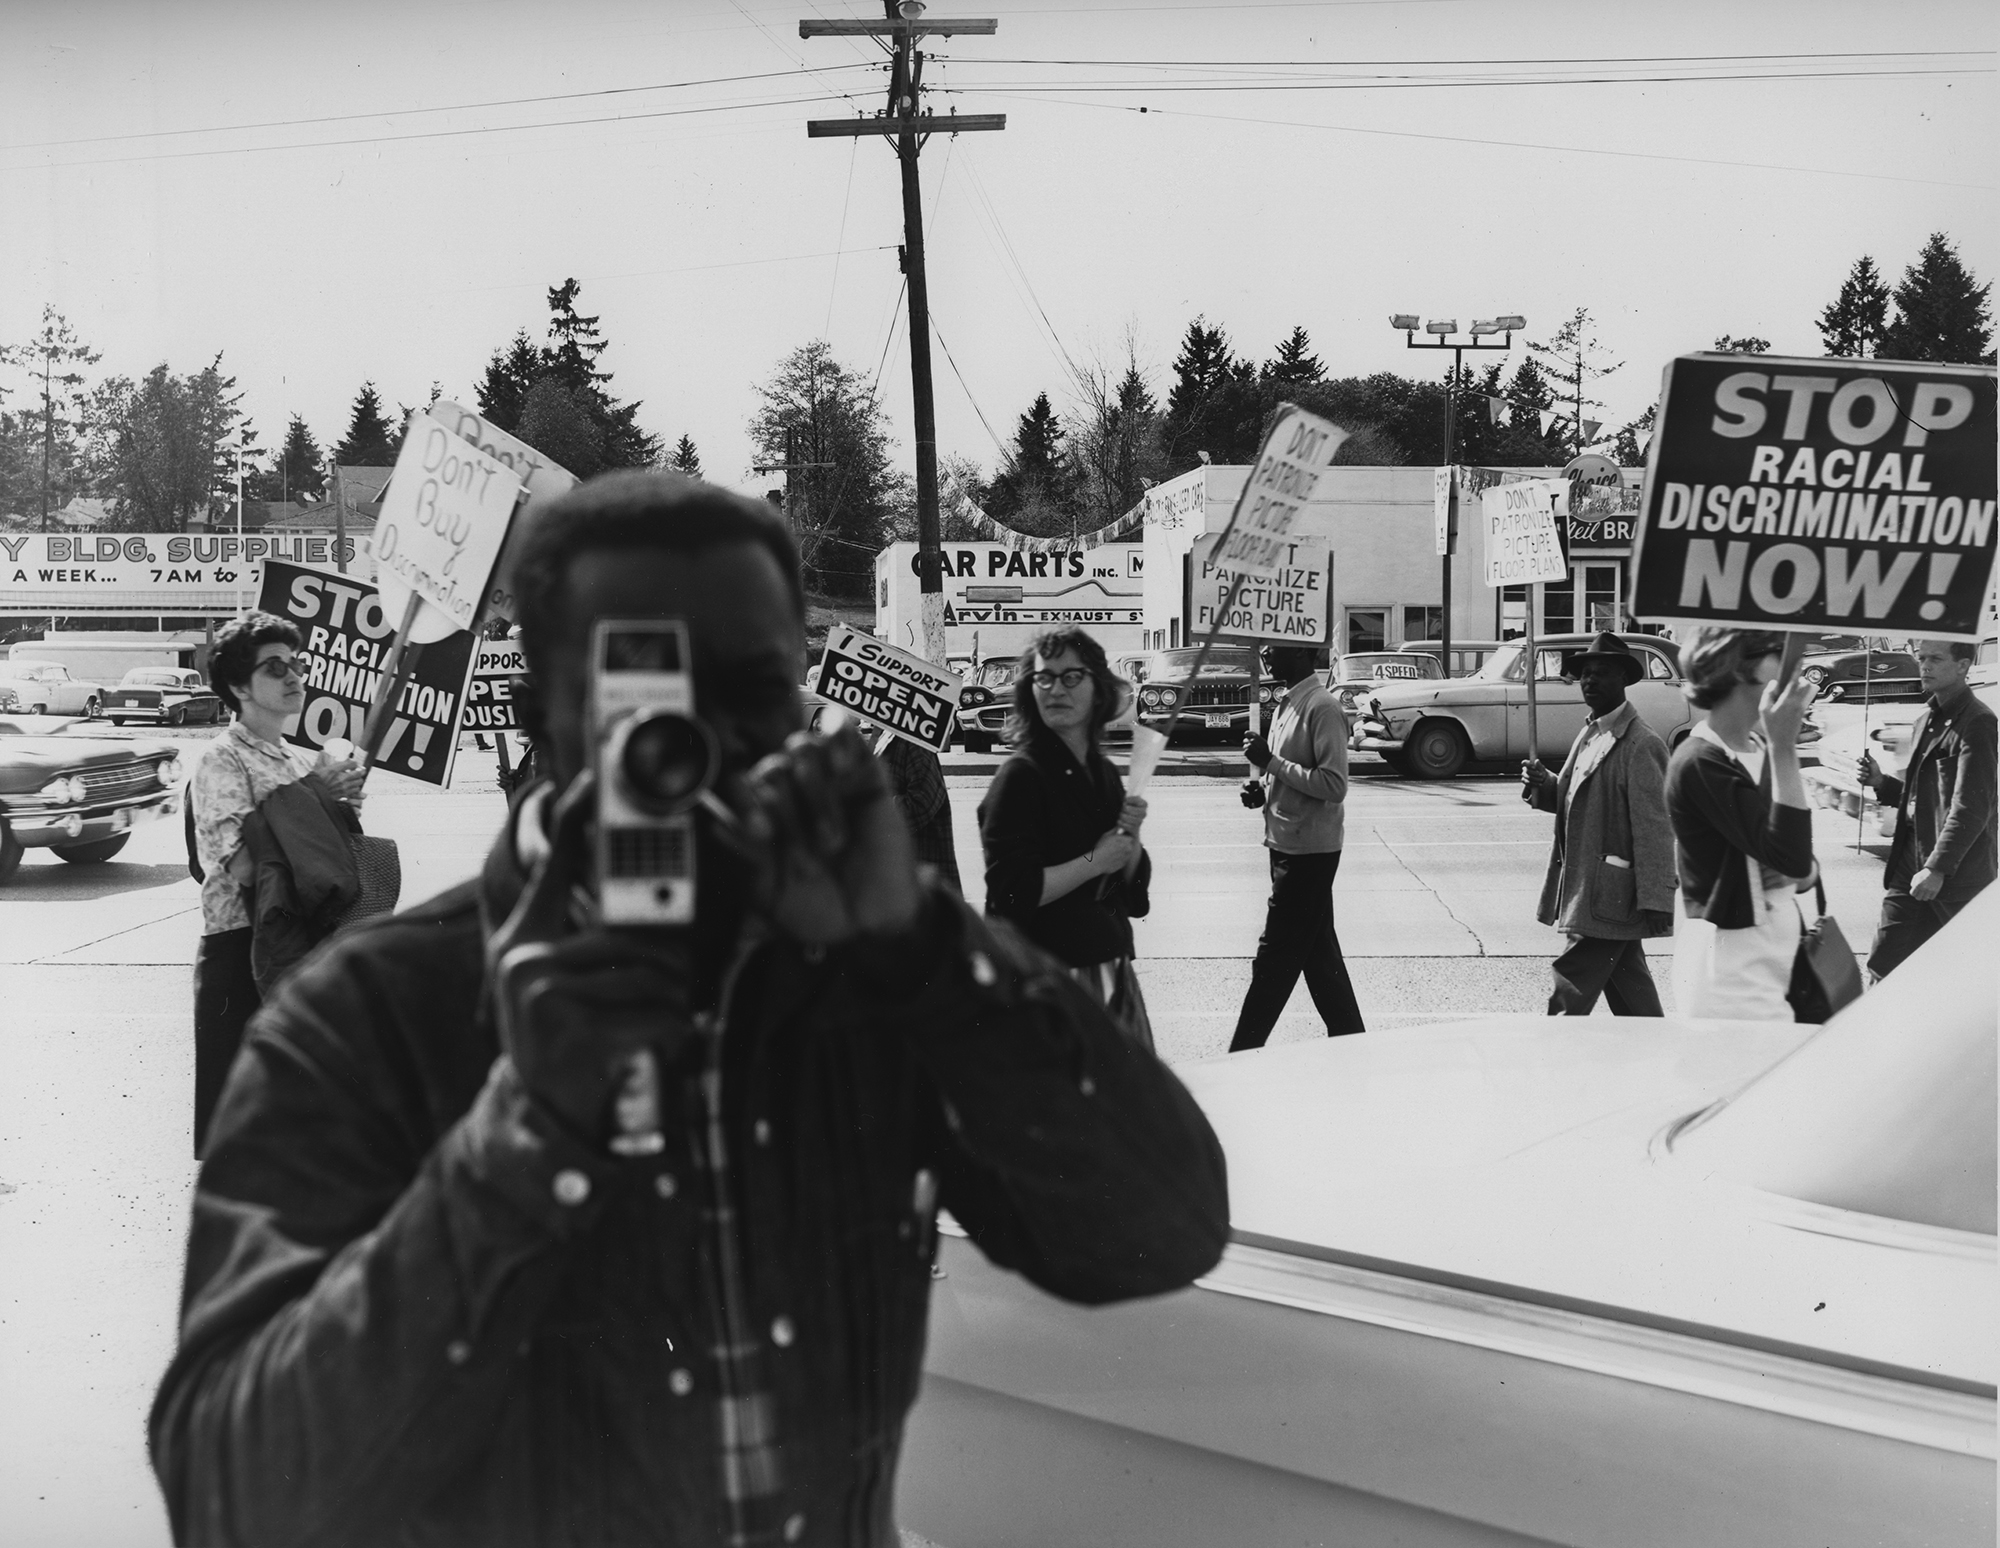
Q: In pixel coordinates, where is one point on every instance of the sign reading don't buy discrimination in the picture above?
(444, 518)
(901, 693)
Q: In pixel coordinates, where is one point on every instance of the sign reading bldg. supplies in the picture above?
(347, 639)
(891, 688)
(1847, 496)
(1521, 543)
(1291, 605)
(444, 518)
(1282, 485)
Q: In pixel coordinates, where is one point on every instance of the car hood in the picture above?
(76, 752)
(1409, 695)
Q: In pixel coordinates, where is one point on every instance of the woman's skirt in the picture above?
(1738, 975)
(225, 997)
(1115, 986)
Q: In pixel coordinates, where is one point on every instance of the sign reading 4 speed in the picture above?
(901, 693)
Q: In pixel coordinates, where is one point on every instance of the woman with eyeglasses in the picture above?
(1742, 829)
(1063, 857)
(256, 671)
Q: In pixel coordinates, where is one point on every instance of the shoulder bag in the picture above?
(1825, 976)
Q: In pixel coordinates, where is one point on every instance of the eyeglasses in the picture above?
(1069, 677)
(278, 668)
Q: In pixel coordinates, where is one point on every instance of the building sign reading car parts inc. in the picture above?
(1850, 496)
(891, 688)
(1291, 605)
(347, 641)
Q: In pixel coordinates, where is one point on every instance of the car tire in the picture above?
(117, 720)
(94, 853)
(1398, 764)
(92, 710)
(10, 851)
(173, 717)
(978, 742)
(1437, 749)
(38, 709)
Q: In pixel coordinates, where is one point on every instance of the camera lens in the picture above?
(667, 761)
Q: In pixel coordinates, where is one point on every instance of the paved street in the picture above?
(1435, 907)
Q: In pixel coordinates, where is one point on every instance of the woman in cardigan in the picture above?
(1742, 829)
(1063, 858)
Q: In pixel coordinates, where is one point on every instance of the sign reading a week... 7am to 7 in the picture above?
(1847, 496)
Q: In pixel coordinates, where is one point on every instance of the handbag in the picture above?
(378, 865)
(1825, 976)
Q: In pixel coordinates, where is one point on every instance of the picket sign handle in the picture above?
(1534, 666)
(395, 673)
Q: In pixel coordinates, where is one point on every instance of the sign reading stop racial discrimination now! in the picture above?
(1851, 496)
(1282, 485)
(901, 693)
(1521, 542)
(347, 640)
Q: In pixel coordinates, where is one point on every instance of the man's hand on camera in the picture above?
(576, 1008)
(833, 856)
(1257, 750)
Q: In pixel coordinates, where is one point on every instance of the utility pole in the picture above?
(910, 127)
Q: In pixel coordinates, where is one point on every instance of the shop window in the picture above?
(1600, 597)
(1513, 612)
(1559, 606)
(1423, 623)
(1367, 628)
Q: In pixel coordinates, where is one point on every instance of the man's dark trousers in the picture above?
(1298, 938)
(1615, 969)
(1906, 924)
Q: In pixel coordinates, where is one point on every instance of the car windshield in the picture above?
(995, 674)
(1377, 666)
(1178, 663)
(1504, 665)
(154, 678)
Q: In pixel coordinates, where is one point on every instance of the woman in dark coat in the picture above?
(1063, 857)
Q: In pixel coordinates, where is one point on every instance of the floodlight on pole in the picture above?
(1442, 329)
(1511, 323)
(1407, 321)
(1481, 329)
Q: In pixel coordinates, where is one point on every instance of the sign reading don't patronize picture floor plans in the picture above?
(1847, 496)
(1521, 543)
(887, 687)
(347, 641)
(1291, 605)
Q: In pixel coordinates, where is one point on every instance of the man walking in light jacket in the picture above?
(1302, 786)
(1611, 870)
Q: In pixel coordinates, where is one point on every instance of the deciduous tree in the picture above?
(1576, 358)
(163, 449)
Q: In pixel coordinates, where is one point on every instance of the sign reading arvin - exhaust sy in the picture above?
(1854, 496)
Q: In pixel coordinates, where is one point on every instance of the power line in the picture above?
(998, 445)
(1162, 88)
(1534, 59)
(457, 107)
(1465, 139)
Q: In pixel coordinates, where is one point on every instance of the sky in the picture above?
(328, 194)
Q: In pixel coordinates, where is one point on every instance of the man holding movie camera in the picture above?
(596, 1201)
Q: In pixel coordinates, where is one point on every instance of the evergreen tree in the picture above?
(1940, 314)
(1294, 361)
(1215, 406)
(1852, 325)
(49, 428)
(297, 473)
(370, 441)
(685, 458)
(503, 392)
(1036, 489)
(558, 420)
(1576, 359)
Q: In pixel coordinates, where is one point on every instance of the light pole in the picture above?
(1442, 338)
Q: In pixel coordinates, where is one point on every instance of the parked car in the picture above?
(1467, 656)
(1514, 1280)
(1351, 676)
(171, 696)
(10, 701)
(1218, 705)
(1859, 674)
(46, 688)
(80, 795)
(983, 702)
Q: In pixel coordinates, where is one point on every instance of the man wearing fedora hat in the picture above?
(1611, 869)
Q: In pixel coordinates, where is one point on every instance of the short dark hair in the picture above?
(235, 655)
(635, 509)
(1025, 717)
(1961, 650)
(1715, 660)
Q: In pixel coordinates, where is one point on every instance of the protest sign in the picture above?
(489, 694)
(1290, 605)
(1521, 542)
(541, 481)
(347, 647)
(1282, 484)
(1845, 496)
(444, 518)
(888, 687)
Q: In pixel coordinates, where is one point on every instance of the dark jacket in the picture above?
(1043, 808)
(305, 878)
(1614, 811)
(916, 784)
(1719, 816)
(1945, 800)
(418, 1312)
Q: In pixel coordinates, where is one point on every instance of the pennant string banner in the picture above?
(957, 502)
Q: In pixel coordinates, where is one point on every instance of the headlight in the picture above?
(1150, 697)
(1169, 697)
(65, 790)
(171, 770)
(1265, 695)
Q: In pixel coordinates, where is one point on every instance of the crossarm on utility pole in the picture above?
(920, 123)
(843, 27)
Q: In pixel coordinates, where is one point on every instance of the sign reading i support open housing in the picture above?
(891, 688)
(1850, 496)
(347, 640)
